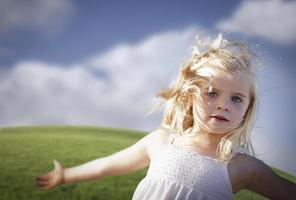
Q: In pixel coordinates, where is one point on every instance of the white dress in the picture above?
(182, 174)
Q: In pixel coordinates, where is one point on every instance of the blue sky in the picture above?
(98, 63)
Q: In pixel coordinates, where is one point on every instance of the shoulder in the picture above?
(252, 167)
(242, 168)
(155, 141)
(158, 135)
(243, 159)
(154, 136)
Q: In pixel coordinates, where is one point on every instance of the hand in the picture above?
(53, 178)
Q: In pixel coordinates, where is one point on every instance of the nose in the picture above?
(222, 106)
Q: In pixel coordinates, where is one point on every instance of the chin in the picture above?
(218, 131)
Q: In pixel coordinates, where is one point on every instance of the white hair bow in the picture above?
(218, 43)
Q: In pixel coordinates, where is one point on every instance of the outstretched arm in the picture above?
(264, 181)
(127, 160)
(130, 159)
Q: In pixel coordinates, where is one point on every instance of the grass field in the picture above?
(27, 152)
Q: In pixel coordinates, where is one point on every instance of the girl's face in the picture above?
(224, 101)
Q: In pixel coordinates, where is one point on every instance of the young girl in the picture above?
(202, 149)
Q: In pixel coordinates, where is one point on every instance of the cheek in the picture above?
(202, 105)
(242, 111)
(208, 106)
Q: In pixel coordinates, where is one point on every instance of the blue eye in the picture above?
(236, 99)
(212, 94)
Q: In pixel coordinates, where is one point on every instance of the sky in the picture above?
(100, 63)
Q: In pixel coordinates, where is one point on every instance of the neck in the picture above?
(208, 140)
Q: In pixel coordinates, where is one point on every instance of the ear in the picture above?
(243, 120)
(244, 117)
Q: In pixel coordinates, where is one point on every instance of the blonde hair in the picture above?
(181, 113)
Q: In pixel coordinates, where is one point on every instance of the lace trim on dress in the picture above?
(190, 151)
(190, 169)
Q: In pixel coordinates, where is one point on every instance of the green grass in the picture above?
(27, 152)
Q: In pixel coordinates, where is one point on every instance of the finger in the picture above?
(43, 184)
(42, 178)
(56, 163)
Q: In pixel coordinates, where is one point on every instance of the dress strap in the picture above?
(172, 137)
(238, 149)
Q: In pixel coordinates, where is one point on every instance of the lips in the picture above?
(220, 117)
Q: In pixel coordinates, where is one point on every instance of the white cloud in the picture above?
(114, 88)
(148, 63)
(273, 20)
(44, 15)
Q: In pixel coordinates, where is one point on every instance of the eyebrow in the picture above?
(235, 93)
